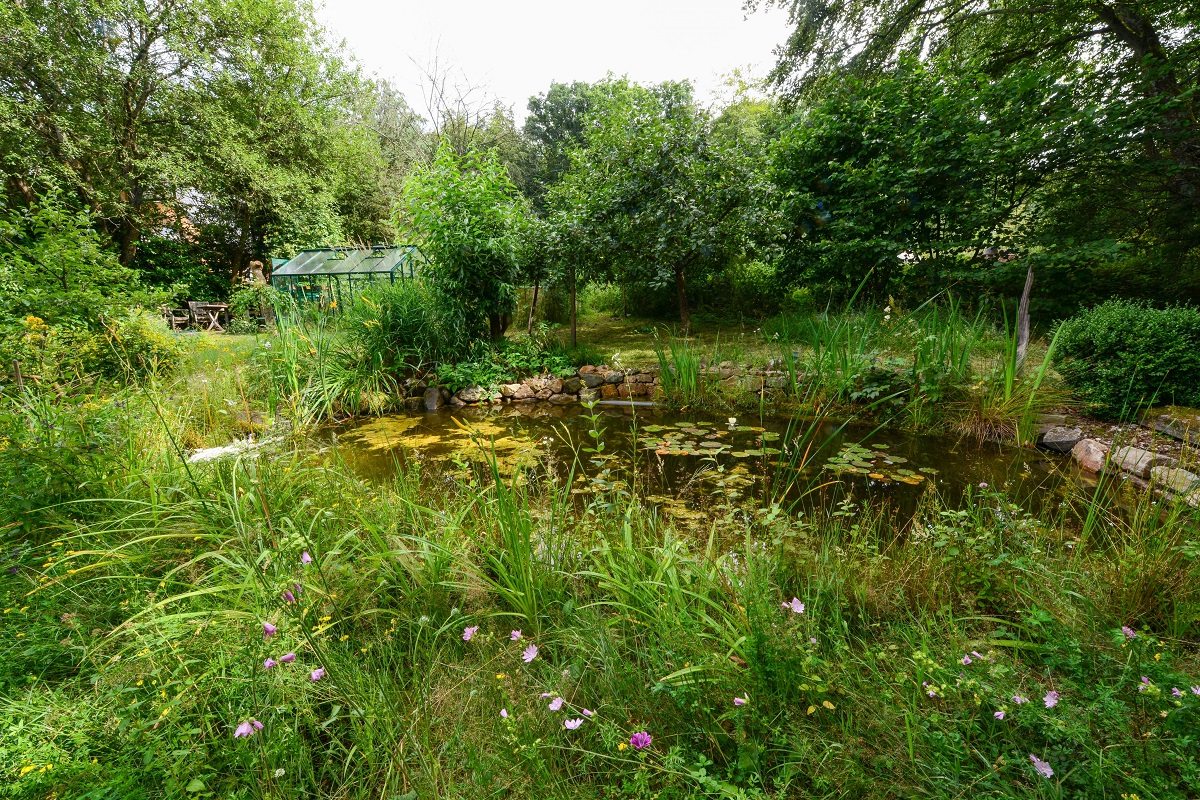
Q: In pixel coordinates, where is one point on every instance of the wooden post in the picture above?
(533, 305)
(17, 375)
(1023, 319)
(574, 342)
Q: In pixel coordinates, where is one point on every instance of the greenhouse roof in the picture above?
(376, 260)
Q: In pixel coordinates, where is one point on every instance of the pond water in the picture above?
(691, 464)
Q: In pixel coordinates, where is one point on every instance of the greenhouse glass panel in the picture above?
(329, 276)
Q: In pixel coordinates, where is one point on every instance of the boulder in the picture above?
(555, 385)
(433, 399)
(522, 392)
(544, 394)
(777, 381)
(726, 365)
(1181, 423)
(562, 399)
(572, 385)
(609, 391)
(614, 377)
(587, 369)
(591, 379)
(639, 389)
(623, 390)
(1193, 499)
(509, 389)
(535, 384)
(454, 401)
(1090, 454)
(1174, 479)
(1061, 439)
(470, 394)
(1050, 420)
(643, 377)
(1137, 461)
(416, 388)
(415, 403)
(588, 395)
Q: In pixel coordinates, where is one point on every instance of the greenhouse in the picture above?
(326, 276)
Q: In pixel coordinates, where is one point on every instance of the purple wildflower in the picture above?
(469, 632)
(966, 660)
(270, 662)
(796, 607)
(530, 653)
(1043, 767)
(243, 731)
(741, 701)
(588, 713)
(296, 586)
(504, 713)
(268, 630)
(514, 636)
(1196, 690)
(572, 724)
(288, 596)
(555, 704)
(287, 658)
(316, 674)
(641, 740)
(13, 570)
(812, 640)
(1175, 692)
(544, 695)
(983, 485)
(305, 558)
(1129, 632)
(1019, 700)
(1145, 684)
(977, 654)
(999, 715)
(258, 726)
(1051, 699)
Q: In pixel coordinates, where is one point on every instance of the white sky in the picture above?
(515, 48)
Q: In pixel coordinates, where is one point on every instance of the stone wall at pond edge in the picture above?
(1138, 453)
(586, 384)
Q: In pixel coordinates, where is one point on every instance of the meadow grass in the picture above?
(135, 589)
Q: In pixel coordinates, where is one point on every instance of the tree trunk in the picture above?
(1023, 320)
(685, 315)
(574, 340)
(532, 306)
(497, 324)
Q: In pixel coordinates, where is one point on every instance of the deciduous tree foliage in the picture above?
(1118, 208)
(652, 197)
(232, 127)
(466, 215)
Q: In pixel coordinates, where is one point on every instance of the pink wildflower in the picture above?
(530, 653)
(741, 701)
(1043, 767)
(288, 596)
(572, 724)
(514, 636)
(243, 731)
(555, 704)
(1051, 699)
(1019, 700)
(999, 715)
(1129, 632)
(469, 632)
(305, 558)
(287, 658)
(270, 662)
(316, 674)
(588, 713)
(795, 606)
(268, 630)
(1175, 692)
(504, 713)
(966, 660)
(641, 740)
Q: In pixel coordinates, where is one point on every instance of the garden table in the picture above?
(210, 314)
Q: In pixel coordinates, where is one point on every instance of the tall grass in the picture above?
(679, 369)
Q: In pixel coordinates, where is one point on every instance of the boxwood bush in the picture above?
(1122, 355)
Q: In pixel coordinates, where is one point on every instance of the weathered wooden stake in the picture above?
(17, 375)
(1023, 320)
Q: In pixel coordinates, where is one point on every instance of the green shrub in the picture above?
(1122, 355)
(132, 345)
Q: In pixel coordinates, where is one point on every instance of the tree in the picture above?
(652, 197)
(464, 213)
(234, 119)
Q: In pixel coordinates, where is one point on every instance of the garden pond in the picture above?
(694, 467)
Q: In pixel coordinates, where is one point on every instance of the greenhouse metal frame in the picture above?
(328, 276)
